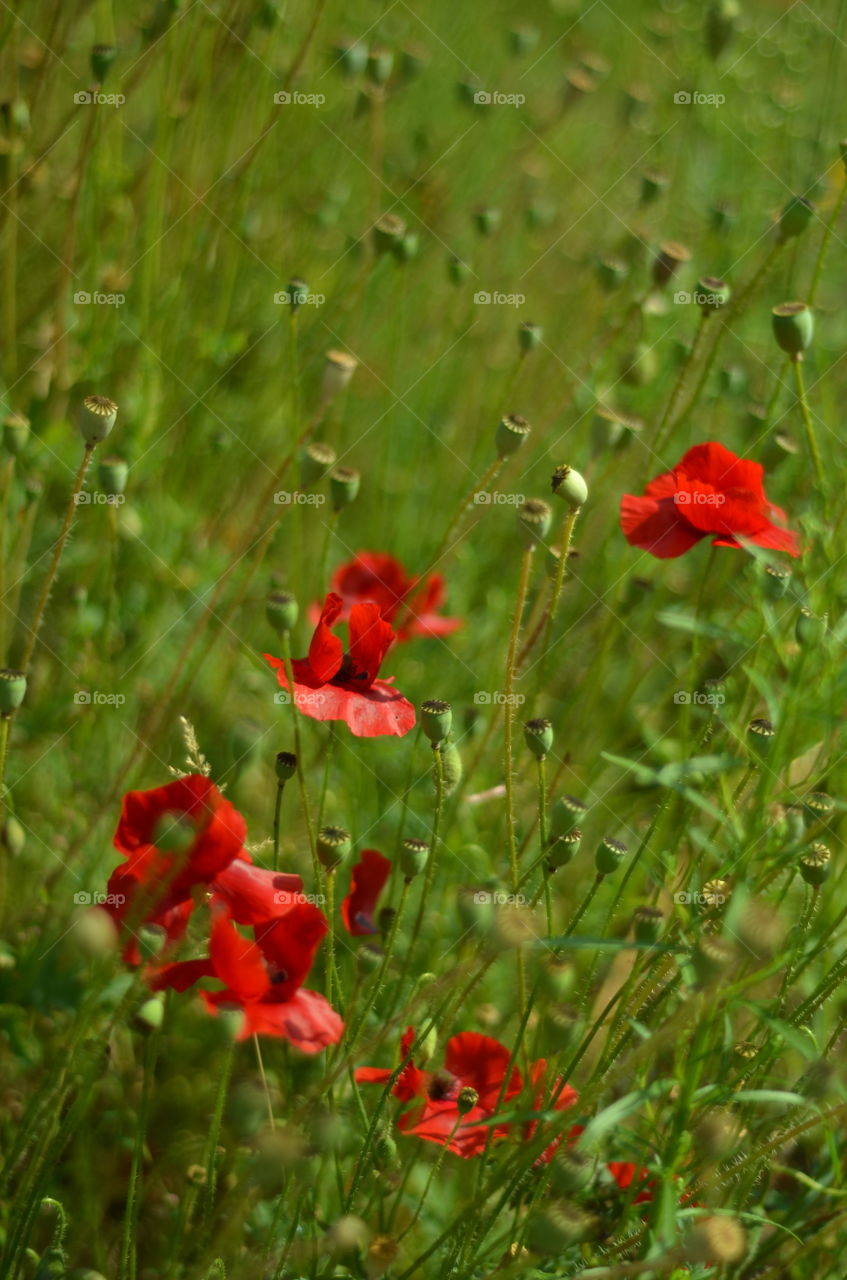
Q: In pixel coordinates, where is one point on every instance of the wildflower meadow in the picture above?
(423, 650)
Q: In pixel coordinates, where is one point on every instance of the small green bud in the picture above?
(570, 486)
(647, 923)
(451, 766)
(793, 327)
(414, 855)
(12, 691)
(351, 56)
(639, 366)
(653, 185)
(102, 57)
(529, 336)
(523, 40)
(561, 849)
(558, 1227)
(13, 836)
(818, 804)
(282, 611)
(609, 856)
(511, 435)
(286, 766)
(333, 846)
(151, 1015)
(407, 248)
(458, 271)
(808, 628)
(557, 975)
(380, 64)
(369, 957)
(112, 475)
(538, 736)
(761, 733)
(298, 291)
(388, 232)
(96, 418)
(715, 1241)
(487, 221)
(385, 1151)
(15, 433)
(466, 1100)
(721, 217)
(567, 813)
(795, 217)
(711, 294)
(534, 518)
(776, 581)
(51, 1264)
(315, 461)
(339, 367)
(344, 485)
(721, 18)
(436, 719)
(815, 865)
(571, 1171)
(712, 958)
(671, 255)
(611, 273)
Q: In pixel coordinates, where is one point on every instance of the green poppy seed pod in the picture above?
(451, 766)
(653, 185)
(721, 217)
(611, 273)
(561, 849)
(570, 486)
(639, 366)
(721, 19)
(12, 691)
(12, 836)
(534, 518)
(102, 57)
(407, 248)
(466, 1100)
(112, 475)
(436, 719)
(333, 846)
(388, 232)
(538, 736)
(344, 485)
(711, 294)
(414, 855)
(819, 805)
(286, 765)
(571, 1171)
(793, 327)
(522, 40)
(670, 256)
(351, 56)
(282, 611)
(715, 1241)
(385, 1151)
(732, 380)
(298, 291)
(15, 433)
(761, 734)
(567, 813)
(380, 64)
(487, 221)
(529, 336)
(795, 217)
(151, 1015)
(511, 434)
(712, 958)
(316, 460)
(609, 856)
(607, 429)
(647, 923)
(745, 1050)
(809, 628)
(339, 367)
(776, 581)
(458, 271)
(815, 865)
(369, 956)
(559, 1226)
(557, 976)
(96, 418)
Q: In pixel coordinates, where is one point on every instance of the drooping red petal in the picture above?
(237, 961)
(288, 947)
(439, 1122)
(481, 1062)
(656, 526)
(370, 639)
(326, 652)
(180, 975)
(254, 895)
(367, 881)
(377, 711)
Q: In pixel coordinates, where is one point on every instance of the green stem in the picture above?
(129, 1258)
(681, 381)
(567, 535)
(280, 787)
(213, 1142)
(5, 489)
(824, 245)
(468, 501)
(429, 873)
(811, 438)
(298, 752)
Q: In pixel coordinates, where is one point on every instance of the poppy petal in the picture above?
(656, 526)
(370, 639)
(367, 881)
(326, 652)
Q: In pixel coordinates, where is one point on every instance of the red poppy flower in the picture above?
(264, 978)
(471, 1061)
(625, 1173)
(377, 577)
(330, 684)
(367, 880)
(710, 493)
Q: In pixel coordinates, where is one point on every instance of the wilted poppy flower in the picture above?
(367, 881)
(411, 605)
(471, 1061)
(709, 493)
(330, 684)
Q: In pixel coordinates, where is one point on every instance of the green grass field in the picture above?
(618, 936)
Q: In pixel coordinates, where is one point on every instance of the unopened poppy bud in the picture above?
(559, 1226)
(561, 849)
(12, 691)
(815, 865)
(671, 255)
(344, 485)
(458, 271)
(776, 581)
(338, 369)
(611, 273)
(451, 766)
(12, 836)
(316, 460)
(112, 475)
(715, 1241)
(721, 18)
(96, 418)
(282, 611)
(385, 1151)
(466, 1100)
(534, 517)
(609, 856)
(647, 923)
(795, 217)
(407, 248)
(351, 56)
(653, 185)
(298, 291)
(511, 434)
(567, 813)
(761, 733)
(102, 57)
(388, 233)
(487, 221)
(711, 294)
(52, 1264)
(151, 1015)
(380, 64)
(538, 736)
(286, 765)
(436, 719)
(15, 433)
(818, 804)
(808, 627)
(557, 976)
(529, 336)
(570, 486)
(333, 846)
(571, 1171)
(793, 327)
(712, 958)
(414, 855)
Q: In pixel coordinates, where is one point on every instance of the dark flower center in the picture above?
(276, 974)
(347, 672)
(442, 1086)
